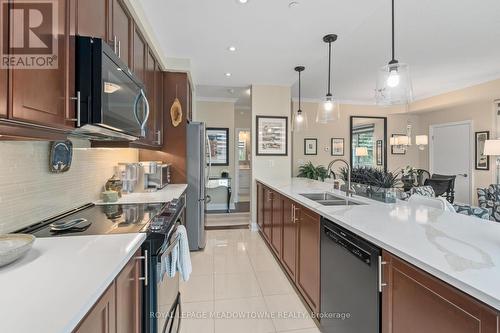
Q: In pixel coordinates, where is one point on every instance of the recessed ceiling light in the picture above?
(293, 4)
(242, 1)
(228, 74)
(231, 48)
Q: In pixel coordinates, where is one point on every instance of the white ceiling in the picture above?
(448, 43)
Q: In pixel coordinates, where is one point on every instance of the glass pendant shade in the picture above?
(300, 122)
(328, 111)
(394, 85)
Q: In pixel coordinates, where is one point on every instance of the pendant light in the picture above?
(393, 81)
(299, 117)
(328, 110)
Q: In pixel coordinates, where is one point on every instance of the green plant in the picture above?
(371, 176)
(310, 171)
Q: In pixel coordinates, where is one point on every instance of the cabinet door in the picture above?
(260, 206)
(414, 302)
(139, 55)
(42, 95)
(92, 18)
(121, 27)
(3, 92)
(129, 297)
(159, 105)
(289, 252)
(102, 317)
(268, 214)
(308, 269)
(277, 226)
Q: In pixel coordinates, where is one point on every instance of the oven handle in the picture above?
(145, 257)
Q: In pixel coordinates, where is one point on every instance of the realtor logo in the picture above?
(29, 34)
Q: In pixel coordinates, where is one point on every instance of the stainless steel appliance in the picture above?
(197, 174)
(350, 282)
(111, 102)
(156, 175)
(161, 297)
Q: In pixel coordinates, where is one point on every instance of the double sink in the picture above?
(328, 199)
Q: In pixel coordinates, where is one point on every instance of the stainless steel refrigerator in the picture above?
(197, 173)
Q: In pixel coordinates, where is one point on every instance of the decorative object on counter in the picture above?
(482, 160)
(299, 118)
(61, 155)
(308, 170)
(224, 173)
(176, 111)
(310, 146)
(373, 183)
(14, 246)
(489, 198)
(398, 143)
(408, 177)
(379, 155)
(110, 196)
(329, 110)
(394, 82)
(114, 184)
(218, 140)
(272, 136)
(129, 175)
(337, 147)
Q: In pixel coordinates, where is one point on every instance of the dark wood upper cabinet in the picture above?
(102, 317)
(139, 55)
(268, 214)
(308, 268)
(289, 252)
(160, 110)
(92, 18)
(121, 31)
(277, 223)
(149, 82)
(42, 95)
(414, 302)
(129, 297)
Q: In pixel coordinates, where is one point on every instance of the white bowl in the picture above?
(13, 247)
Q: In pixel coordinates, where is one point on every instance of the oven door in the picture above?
(168, 296)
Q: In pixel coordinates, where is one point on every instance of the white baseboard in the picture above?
(219, 206)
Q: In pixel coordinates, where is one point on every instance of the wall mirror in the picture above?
(368, 144)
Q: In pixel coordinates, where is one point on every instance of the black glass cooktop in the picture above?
(97, 220)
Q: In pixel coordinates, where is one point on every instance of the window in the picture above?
(363, 136)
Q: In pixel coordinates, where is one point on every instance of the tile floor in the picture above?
(237, 286)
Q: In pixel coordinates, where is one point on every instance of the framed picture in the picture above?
(482, 161)
(218, 139)
(337, 147)
(310, 146)
(396, 150)
(272, 136)
(379, 152)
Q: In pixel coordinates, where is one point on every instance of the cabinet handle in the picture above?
(115, 44)
(293, 213)
(78, 109)
(269, 196)
(295, 219)
(146, 273)
(380, 283)
(158, 137)
(119, 49)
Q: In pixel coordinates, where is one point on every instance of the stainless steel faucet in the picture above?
(348, 191)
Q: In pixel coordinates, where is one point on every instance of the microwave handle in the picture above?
(145, 120)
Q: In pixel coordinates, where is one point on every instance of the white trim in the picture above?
(470, 173)
(236, 196)
(220, 206)
(239, 107)
(216, 99)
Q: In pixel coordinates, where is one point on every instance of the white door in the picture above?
(451, 154)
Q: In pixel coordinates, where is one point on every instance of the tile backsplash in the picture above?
(29, 192)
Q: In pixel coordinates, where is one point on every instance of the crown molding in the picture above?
(216, 99)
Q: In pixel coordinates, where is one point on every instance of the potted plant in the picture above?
(310, 171)
(408, 177)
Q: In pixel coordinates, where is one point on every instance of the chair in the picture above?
(422, 175)
(442, 187)
(489, 198)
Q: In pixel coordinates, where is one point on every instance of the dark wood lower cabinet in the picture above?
(3, 92)
(290, 241)
(268, 214)
(277, 223)
(260, 205)
(414, 302)
(308, 255)
(119, 310)
(102, 317)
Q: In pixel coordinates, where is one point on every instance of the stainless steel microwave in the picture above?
(111, 101)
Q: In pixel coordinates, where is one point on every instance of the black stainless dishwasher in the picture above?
(350, 282)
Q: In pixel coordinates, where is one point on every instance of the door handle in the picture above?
(380, 283)
(146, 273)
(463, 175)
(78, 109)
(145, 120)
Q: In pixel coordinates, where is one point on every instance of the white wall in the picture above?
(29, 193)
(270, 101)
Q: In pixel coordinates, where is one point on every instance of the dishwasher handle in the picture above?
(352, 248)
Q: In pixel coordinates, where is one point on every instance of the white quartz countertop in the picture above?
(460, 250)
(171, 191)
(54, 286)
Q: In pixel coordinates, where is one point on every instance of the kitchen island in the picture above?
(460, 254)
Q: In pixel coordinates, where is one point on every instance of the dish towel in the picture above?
(183, 256)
